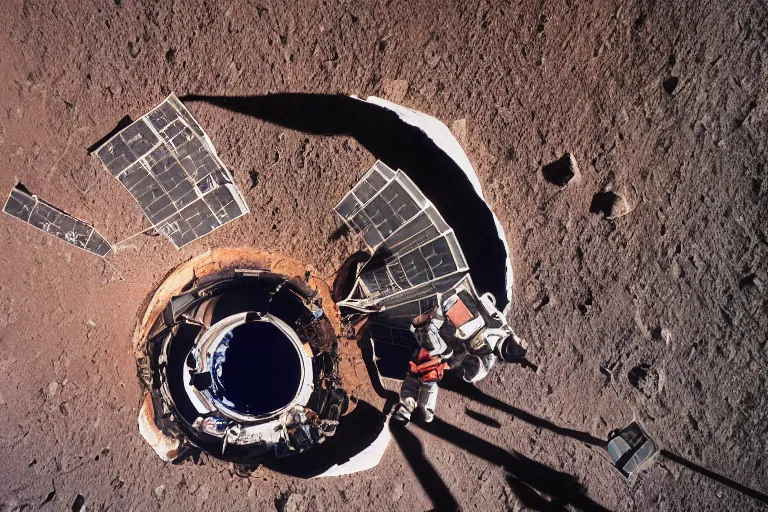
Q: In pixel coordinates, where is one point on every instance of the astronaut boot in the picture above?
(428, 400)
(404, 409)
(476, 367)
(409, 394)
(512, 350)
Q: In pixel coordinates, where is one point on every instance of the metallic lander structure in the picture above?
(241, 360)
(237, 359)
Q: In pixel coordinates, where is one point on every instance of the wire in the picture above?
(132, 236)
(119, 275)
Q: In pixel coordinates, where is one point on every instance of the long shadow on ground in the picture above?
(401, 146)
(536, 485)
(452, 383)
(470, 391)
(430, 480)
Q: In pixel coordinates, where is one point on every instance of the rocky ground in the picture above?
(640, 284)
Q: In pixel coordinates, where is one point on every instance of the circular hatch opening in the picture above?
(256, 369)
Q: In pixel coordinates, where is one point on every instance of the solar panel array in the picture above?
(169, 165)
(415, 257)
(415, 253)
(29, 208)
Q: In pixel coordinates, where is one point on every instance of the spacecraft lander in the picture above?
(239, 357)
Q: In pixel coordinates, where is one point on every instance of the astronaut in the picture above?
(465, 334)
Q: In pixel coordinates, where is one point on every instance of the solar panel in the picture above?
(415, 253)
(44, 216)
(169, 165)
(381, 202)
(415, 258)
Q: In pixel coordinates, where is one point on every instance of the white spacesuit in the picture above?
(466, 334)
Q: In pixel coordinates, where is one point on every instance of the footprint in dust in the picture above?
(645, 379)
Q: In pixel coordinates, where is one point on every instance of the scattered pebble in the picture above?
(610, 204)
(160, 491)
(398, 492)
(395, 90)
(294, 503)
(51, 389)
(562, 171)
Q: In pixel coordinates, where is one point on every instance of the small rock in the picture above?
(395, 90)
(51, 389)
(202, 493)
(170, 56)
(750, 283)
(398, 492)
(645, 378)
(79, 504)
(677, 270)
(543, 301)
(610, 204)
(160, 491)
(673, 470)
(662, 380)
(719, 494)
(562, 171)
(295, 503)
(91, 323)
